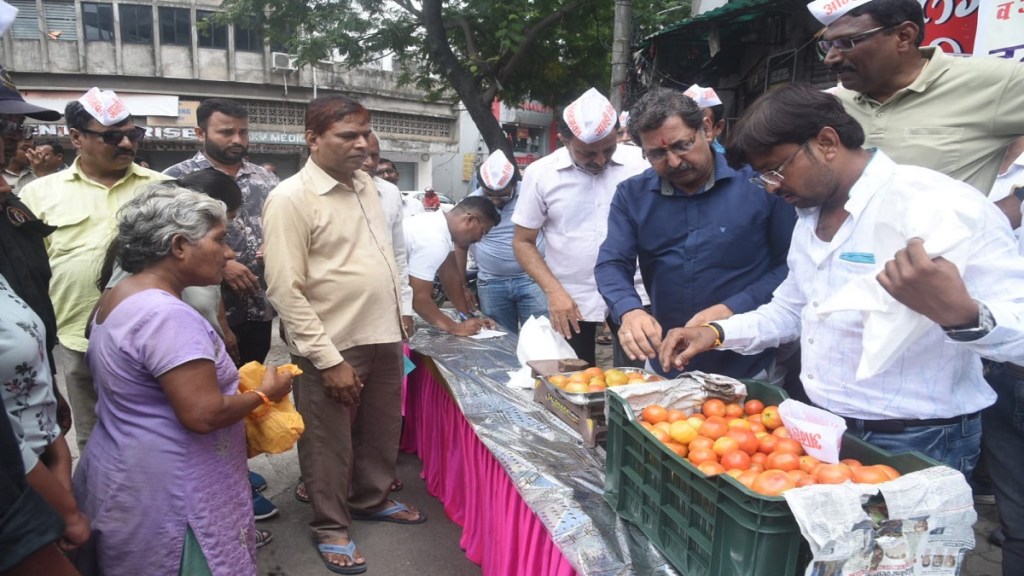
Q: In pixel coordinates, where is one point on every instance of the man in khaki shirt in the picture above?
(919, 105)
(332, 276)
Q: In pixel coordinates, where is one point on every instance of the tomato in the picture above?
(758, 458)
(772, 483)
(767, 444)
(891, 472)
(594, 372)
(701, 442)
(674, 414)
(737, 459)
(796, 475)
(752, 407)
(785, 461)
(710, 468)
(747, 478)
(733, 410)
(746, 439)
(833, 474)
(770, 417)
(654, 413)
(676, 447)
(713, 407)
(869, 475)
(700, 455)
(660, 435)
(807, 463)
(682, 432)
(851, 462)
(781, 432)
(712, 429)
(725, 445)
(789, 445)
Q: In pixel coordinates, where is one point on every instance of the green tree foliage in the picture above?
(513, 50)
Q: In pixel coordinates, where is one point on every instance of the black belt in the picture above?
(901, 425)
(1014, 369)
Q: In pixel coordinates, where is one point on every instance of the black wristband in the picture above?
(721, 332)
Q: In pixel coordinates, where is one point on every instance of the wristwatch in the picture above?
(968, 333)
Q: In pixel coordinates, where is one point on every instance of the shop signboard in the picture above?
(950, 24)
(1000, 29)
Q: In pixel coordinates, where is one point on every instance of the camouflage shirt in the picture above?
(245, 235)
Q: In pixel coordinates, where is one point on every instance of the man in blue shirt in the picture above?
(710, 243)
(507, 293)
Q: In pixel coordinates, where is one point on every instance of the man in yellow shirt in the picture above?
(332, 277)
(82, 202)
(920, 106)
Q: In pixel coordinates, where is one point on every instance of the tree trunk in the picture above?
(462, 80)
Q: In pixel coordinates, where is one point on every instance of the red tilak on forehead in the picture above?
(663, 142)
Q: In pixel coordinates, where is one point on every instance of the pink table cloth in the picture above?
(499, 531)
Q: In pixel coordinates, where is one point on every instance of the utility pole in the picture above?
(622, 35)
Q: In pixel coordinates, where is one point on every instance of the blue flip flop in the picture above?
(385, 515)
(346, 550)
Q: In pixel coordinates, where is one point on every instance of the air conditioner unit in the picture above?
(282, 61)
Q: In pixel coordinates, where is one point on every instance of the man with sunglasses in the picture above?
(82, 202)
(710, 243)
(918, 104)
(507, 293)
(862, 218)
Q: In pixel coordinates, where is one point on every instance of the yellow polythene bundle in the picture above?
(275, 428)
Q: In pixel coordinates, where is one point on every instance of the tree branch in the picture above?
(530, 38)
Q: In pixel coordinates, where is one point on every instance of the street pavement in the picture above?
(431, 548)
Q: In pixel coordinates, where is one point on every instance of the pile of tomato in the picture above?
(749, 442)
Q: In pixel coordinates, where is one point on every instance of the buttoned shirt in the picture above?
(571, 207)
(331, 271)
(18, 180)
(394, 212)
(723, 245)
(245, 235)
(956, 117)
(85, 214)
(935, 377)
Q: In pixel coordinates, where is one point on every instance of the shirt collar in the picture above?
(322, 182)
(563, 160)
(75, 173)
(247, 168)
(876, 176)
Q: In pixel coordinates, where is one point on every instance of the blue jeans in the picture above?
(1003, 423)
(955, 445)
(511, 301)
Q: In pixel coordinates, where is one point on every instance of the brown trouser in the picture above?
(347, 455)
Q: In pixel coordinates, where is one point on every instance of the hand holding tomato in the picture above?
(682, 344)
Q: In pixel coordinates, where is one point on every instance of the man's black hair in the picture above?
(222, 105)
(891, 13)
(480, 206)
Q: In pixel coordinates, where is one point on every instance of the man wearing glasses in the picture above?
(710, 241)
(507, 293)
(920, 105)
(82, 202)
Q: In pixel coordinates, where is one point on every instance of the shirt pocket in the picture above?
(937, 147)
(73, 233)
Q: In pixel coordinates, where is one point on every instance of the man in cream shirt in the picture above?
(332, 277)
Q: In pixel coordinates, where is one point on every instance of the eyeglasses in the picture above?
(775, 177)
(499, 197)
(114, 137)
(12, 128)
(846, 43)
(387, 171)
(679, 147)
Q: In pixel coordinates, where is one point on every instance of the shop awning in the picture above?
(735, 12)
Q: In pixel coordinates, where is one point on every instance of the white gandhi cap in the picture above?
(496, 172)
(828, 11)
(590, 117)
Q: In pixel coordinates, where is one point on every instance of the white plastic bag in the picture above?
(819, 431)
(539, 341)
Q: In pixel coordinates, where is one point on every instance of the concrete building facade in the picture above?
(165, 56)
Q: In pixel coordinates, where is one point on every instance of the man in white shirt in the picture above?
(430, 241)
(391, 201)
(929, 398)
(568, 194)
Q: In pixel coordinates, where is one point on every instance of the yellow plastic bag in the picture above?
(272, 429)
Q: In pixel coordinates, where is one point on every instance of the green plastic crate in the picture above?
(712, 526)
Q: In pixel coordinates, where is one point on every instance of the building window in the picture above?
(249, 37)
(175, 26)
(98, 21)
(213, 34)
(136, 23)
(61, 20)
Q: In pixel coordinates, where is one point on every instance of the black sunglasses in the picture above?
(114, 137)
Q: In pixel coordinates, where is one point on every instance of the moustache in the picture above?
(681, 169)
(838, 68)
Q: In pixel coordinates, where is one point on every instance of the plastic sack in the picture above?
(275, 428)
(539, 341)
(819, 431)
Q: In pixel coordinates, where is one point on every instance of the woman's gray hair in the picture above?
(148, 223)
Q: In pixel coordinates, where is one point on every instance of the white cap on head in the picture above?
(828, 11)
(704, 97)
(624, 119)
(105, 106)
(591, 117)
(497, 171)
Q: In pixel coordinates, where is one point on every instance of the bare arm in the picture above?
(200, 406)
(453, 279)
(46, 483)
(230, 340)
(565, 314)
(424, 305)
(57, 458)
(461, 257)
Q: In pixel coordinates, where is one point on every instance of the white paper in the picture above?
(486, 333)
(539, 341)
(819, 431)
(521, 379)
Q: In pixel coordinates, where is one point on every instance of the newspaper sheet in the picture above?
(918, 524)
